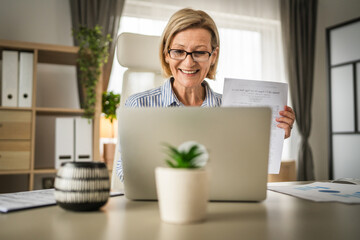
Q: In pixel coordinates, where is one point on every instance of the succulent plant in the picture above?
(188, 155)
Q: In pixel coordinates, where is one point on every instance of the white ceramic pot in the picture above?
(182, 194)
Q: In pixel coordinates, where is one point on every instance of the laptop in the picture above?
(237, 139)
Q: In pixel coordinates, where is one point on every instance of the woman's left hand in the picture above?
(286, 121)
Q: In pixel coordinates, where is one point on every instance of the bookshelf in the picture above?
(19, 170)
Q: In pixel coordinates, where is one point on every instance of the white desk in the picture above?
(278, 217)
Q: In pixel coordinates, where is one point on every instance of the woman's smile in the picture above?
(189, 72)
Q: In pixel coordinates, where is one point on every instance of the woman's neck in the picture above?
(189, 96)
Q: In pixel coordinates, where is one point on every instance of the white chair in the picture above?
(140, 54)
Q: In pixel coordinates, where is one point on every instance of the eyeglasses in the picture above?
(197, 56)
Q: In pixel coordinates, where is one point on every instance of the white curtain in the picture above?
(250, 39)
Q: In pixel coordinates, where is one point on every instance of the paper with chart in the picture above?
(322, 192)
(239, 92)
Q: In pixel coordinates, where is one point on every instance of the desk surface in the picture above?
(278, 217)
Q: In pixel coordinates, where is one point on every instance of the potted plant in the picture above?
(108, 125)
(110, 102)
(182, 188)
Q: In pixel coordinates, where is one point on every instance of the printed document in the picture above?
(245, 93)
(22, 200)
(31, 199)
(322, 192)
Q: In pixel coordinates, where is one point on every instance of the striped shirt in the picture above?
(164, 96)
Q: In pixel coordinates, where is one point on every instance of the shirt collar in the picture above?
(169, 98)
(209, 97)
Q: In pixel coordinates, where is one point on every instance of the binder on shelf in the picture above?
(83, 140)
(9, 78)
(64, 141)
(25, 79)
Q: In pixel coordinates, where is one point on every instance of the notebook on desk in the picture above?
(237, 140)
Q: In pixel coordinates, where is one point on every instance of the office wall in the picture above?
(42, 21)
(330, 12)
(49, 22)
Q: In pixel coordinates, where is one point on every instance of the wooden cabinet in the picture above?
(15, 155)
(15, 125)
(18, 165)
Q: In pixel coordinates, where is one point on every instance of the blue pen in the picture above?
(329, 191)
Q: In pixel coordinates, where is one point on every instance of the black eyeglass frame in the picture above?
(191, 54)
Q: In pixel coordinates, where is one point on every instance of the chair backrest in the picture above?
(140, 55)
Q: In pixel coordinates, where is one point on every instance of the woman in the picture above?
(189, 53)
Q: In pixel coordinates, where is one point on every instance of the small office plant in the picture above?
(93, 53)
(110, 102)
(182, 187)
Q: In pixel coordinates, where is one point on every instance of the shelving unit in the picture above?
(43, 53)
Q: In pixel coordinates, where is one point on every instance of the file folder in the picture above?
(83, 140)
(25, 79)
(64, 141)
(9, 78)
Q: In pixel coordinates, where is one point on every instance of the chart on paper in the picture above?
(322, 192)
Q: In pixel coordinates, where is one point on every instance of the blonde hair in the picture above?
(182, 20)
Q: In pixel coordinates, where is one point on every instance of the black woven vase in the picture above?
(82, 186)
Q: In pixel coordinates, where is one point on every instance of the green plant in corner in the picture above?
(93, 53)
(110, 101)
(188, 155)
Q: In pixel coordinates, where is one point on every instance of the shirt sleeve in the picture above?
(131, 102)
(119, 169)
